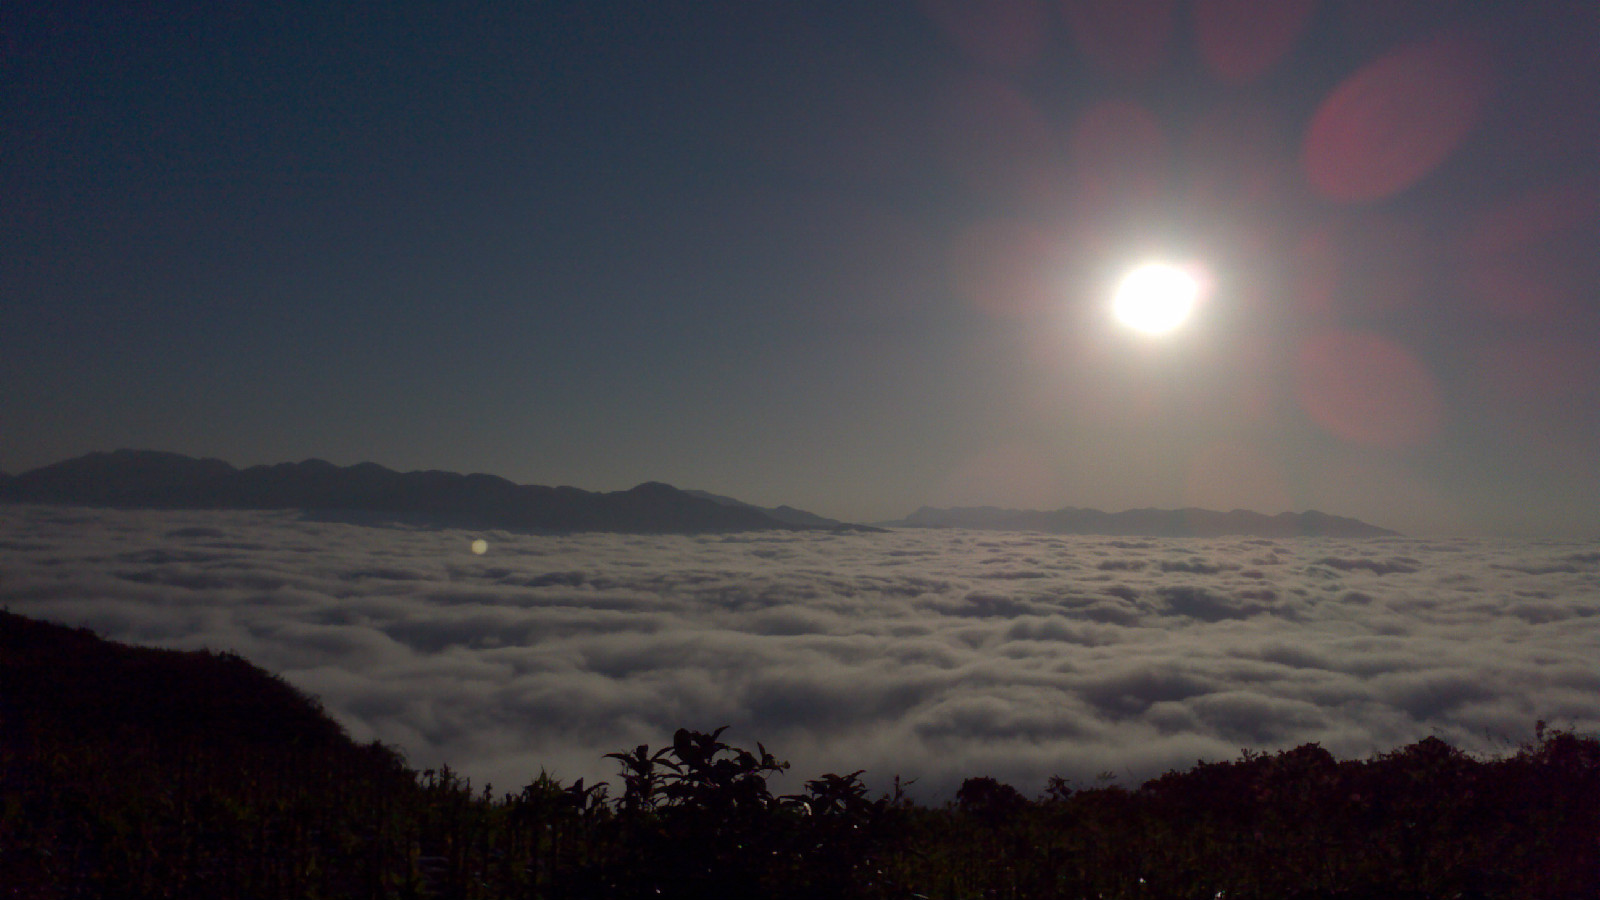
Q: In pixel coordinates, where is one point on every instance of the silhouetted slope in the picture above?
(1145, 522)
(786, 514)
(70, 682)
(129, 772)
(139, 478)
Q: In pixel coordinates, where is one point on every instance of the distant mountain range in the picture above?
(788, 515)
(367, 492)
(1142, 522)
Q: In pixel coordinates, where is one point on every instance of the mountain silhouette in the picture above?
(1188, 522)
(786, 514)
(366, 492)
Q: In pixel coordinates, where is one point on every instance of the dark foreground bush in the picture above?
(110, 788)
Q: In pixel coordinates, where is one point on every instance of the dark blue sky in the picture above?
(855, 257)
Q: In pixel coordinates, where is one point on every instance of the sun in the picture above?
(1155, 298)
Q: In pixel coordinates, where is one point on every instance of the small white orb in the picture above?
(480, 546)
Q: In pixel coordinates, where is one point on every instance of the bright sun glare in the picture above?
(1156, 298)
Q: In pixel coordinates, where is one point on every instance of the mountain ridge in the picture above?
(369, 493)
(162, 480)
(785, 513)
(1143, 522)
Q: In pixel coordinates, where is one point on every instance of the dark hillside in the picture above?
(73, 683)
(134, 772)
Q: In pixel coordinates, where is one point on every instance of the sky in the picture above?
(933, 655)
(852, 257)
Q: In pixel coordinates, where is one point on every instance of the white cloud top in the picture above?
(935, 655)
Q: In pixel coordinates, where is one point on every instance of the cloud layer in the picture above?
(934, 655)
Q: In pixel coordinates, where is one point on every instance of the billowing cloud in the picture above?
(934, 655)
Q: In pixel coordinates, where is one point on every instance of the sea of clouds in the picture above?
(934, 655)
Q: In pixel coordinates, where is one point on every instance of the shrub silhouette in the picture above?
(989, 800)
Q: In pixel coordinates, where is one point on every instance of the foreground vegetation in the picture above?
(128, 772)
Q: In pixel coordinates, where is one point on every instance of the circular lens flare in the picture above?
(1156, 298)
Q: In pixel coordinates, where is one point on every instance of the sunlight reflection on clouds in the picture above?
(935, 655)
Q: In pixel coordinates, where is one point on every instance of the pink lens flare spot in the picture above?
(1530, 257)
(1240, 40)
(1125, 38)
(1009, 34)
(1366, 389)
(1119, 154)
(1396, 119)
(999, 144)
